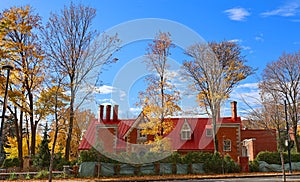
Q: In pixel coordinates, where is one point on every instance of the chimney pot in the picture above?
(108, 110)
(101, 109)
(115, 113)
(233, 110)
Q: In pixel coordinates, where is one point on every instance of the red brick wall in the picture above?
(230, 133)
(265, 140)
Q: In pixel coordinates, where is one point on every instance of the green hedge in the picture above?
(274, 157)
(212, 163)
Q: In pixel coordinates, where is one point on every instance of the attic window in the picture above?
(140, 135)
(186, 133)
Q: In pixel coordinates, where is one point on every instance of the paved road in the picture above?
(295, 178)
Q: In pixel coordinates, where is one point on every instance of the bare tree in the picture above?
(71, 45)
(215, 69)
(283, 78)
(269, 114)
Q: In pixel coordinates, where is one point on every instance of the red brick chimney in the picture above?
(115, 113)
(101, 109)
(233, 110)
(108, 110)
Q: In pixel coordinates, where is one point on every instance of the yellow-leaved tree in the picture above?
(11, 148)
(160, 99)
(21, 48)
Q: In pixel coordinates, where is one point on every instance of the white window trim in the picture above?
(207, 133)
(225, 149)
(140, 136)
(186, 133)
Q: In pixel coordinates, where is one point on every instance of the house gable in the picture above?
(142, 118)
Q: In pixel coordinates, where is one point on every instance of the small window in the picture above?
(186, 133)
(209, 132)
(227, 145)
(140, 135)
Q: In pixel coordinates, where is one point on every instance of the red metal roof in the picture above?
(198, 125)
(89, 136)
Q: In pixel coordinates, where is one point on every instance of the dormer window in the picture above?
(186, 132)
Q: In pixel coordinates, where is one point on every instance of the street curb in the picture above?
(189, 177)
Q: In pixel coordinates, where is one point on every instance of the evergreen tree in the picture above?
(42, 158)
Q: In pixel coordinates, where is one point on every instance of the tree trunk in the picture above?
(54, 140)
(281, 156)
(70, 129)
(20, 143)
(215, 138)
(33, 140)
(19, 133)
(32, 123)
(162, 105)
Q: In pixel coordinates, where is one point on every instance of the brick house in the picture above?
(188, 134)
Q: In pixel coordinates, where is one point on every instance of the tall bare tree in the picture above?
(215, 69)
(160, 98)
(268, 114)
(283, 76)
(72, 46)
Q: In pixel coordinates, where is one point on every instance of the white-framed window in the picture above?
(227, 145)
(208, 132)
(186, 132)
(140, 135)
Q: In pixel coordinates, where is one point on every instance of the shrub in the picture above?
(12, 176)
(59, 162)
(27, 177)
(274, 157)
(269, 157)
(15, 162)
(254, 166)
(196, 157)
(174, 158)
(230, 166)
(214, 165)
(42, 174)
(93, 155)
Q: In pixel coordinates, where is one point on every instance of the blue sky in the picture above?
(264, 29)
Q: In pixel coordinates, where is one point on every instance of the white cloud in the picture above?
(107, 102)
(135, 109)
(236, 40)
(259, 37)
(237, 14)
(105, 89)
(248, 85)
(287, 10)
(246, 48)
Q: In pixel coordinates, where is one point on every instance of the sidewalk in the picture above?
(174, 177)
